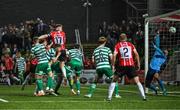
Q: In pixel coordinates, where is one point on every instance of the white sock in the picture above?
(8, 81)
(111, 89)
(141, 89)
(15, 78)
(26, 79)
(64, 71)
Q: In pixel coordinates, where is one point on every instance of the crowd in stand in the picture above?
(14, 38)
(133, 30)
(18, 38)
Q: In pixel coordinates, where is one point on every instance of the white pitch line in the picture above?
(21, 101)
(2, 100)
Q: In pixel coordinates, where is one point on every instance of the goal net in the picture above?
(168, 26)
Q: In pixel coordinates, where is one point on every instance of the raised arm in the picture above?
(43, 36)
(158, 49)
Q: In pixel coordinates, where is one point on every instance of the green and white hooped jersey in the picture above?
(75, 54)
(20, 63)
(51, 54)
(40, 53)
(101, 56)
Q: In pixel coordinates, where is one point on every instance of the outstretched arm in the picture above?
(43, 36)
(158, 49)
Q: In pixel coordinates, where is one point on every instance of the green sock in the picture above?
(117, 89)
(70, 81)
(78, 85)
(50, 82)
(92, 88)
(39, 84)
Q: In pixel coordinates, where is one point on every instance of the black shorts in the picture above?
(130, 71)
(32, 68)
(62, 57)
(150, 76)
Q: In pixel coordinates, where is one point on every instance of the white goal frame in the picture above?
(146, 26)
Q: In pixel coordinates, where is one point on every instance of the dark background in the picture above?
(70, 13)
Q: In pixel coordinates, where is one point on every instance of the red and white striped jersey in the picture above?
(124, 51)
(58, 38)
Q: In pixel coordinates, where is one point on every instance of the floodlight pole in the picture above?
(87, 4)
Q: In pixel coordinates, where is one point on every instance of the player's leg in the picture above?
(71, 83)
(93, 85)
(77, 83)
(62, 59)
(26, 80)
(78, 70)
(7, 78)
(117, 90)
(13, 77)
(160, 82)
(39, 82)
(131, 73)
(59, 82)
(48, 70)
(21, 75)
(149, 78)
(112, 87)
(70, 79)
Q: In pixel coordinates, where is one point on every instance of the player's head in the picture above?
(76, 46)
(123, 37)
(6, 54)
(18, 54)
(58, 27)
(102, 40)
(165, 52)
(36, 39)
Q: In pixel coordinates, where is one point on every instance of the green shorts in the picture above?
(56, 68)
(77, 66)
(68, 71)
(42, 68)
(107, 71)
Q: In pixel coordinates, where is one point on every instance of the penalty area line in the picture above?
(2, 100)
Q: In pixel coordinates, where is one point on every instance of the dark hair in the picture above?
(76, 46)
(102, 39)
(58, 25)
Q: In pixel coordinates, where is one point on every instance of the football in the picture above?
(172, 29)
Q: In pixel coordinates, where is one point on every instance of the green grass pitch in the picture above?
(131, 99)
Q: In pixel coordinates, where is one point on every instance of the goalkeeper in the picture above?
(158, 59)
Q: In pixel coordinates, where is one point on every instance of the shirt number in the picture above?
(125, 52)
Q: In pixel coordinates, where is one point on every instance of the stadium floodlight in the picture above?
(169, 27)
(87, 4)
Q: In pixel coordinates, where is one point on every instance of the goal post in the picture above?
(167, 39)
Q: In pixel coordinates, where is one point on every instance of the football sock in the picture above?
(15, 78)
(141, 89)
(8, 81)
(92, 88)
(161, 85)
(78, 84)
(116, 88)
(39, 84)
(152, 87)
(50, 82)
(70, 81)
(26, 79)
(111, 89)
